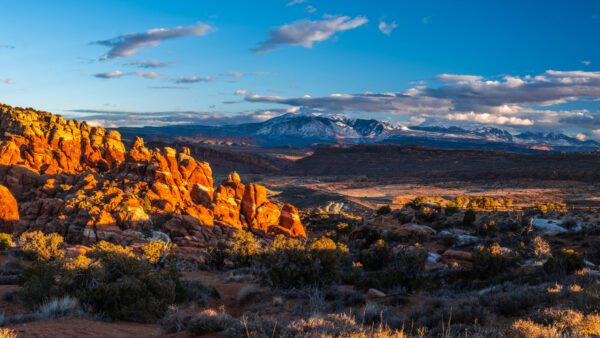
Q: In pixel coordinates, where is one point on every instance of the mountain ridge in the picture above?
(300, 130)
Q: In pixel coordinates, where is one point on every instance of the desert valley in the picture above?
(151, 241)
(300, 168)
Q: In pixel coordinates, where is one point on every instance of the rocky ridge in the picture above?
(82, 182)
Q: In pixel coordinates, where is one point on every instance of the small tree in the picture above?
(489, 261)
(154, 251)
(5, 241)
(384, 210)
(469, 217)
(566, 261)
(416, 203)
(37, 245)
(243, 248)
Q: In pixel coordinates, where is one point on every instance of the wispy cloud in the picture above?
(235, 74)
(457, 78)
(310, 9)
(295, 2)
(306, 32)
(148, 75)
(587, 63)
(488, 118)
(426, 19)
(146, 64)
(118, 73)
(169, 87)
(110, 75)
(128, 44)
(125, 118)
(6, 46)
(193, 79)
(387, 28)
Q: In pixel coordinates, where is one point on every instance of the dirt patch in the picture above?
(86, 328)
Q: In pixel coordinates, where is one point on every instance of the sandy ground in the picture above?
(523, 192)
(85, 328)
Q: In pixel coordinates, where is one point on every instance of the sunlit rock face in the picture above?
(9, 211)
(81, 181)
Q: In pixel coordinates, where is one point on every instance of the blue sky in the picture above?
(522, 64)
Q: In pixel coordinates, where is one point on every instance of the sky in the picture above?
(519, 65)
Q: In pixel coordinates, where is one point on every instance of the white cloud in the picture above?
(128, 44)
(148, 75)
(487, 118)
(387, 28)
(310, 9)
(193, 79)
(146, 64)
(125, 118)
(508, 101)
(118, 73)
(235, 74)
(296, 2)
(457, 78)
(110, 75)
(242, 92)
(169, 87)
(306, 32)
(574, 74)
(587, 63)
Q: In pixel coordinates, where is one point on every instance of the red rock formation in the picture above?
(257, 211)
(80, 181)
(289, 222)
(228, 200)
(47, 143)
(9, 212)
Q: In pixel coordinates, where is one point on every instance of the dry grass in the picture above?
(8, 333)
(558, 323)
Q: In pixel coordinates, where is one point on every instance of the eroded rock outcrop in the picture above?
(81, 181)
(9, 212)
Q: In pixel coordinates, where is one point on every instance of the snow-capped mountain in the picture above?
(305, 129)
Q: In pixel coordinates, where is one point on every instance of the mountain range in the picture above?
(299, 130)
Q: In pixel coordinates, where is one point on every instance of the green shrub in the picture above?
(108, 280)
(153, 251)
(384, 210)
(489, 261)
(565, 261)
(289, 264)
(539, 248)
(417, 202)
(376, 257)
(369, 235)
(8, 333)
(469, 217)
(243, 248)
(407, 268)
(451, 208)
(5, 241)
(486, 229)
(37, 245)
